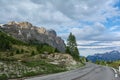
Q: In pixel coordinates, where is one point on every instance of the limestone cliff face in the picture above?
(25, 31)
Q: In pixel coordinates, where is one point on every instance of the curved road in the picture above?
(89, 72)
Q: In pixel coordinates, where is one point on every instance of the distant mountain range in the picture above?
(108, 56)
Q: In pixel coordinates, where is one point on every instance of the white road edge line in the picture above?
(116, 75)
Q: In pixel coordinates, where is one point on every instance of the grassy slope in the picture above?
(115, 64)
(30, 54)
(16, 49)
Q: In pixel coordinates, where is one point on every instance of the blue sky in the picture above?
(95, 23)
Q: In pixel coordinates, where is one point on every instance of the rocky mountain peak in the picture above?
(52, 32)
(26, 32)
(12, 23)
(20, 24)
(25, 24)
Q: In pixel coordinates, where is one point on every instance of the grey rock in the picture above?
(26, 32)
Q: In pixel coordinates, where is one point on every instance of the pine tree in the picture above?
(72, 46)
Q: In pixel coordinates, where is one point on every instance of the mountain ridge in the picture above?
(107, 56)
(27, 32)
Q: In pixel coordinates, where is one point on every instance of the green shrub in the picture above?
(41, 48)
(17, 51)
(11, 54)
(22, 50)
(3, 77)
(28, 74)
(32, 53)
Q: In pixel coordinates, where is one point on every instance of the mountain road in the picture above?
(89, 72)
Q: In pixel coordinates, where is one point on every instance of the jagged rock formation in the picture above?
(26, 32)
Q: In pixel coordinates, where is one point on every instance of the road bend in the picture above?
(88, 72)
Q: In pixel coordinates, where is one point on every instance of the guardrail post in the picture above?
(119, 68)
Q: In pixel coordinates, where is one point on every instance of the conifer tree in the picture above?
(72, 46)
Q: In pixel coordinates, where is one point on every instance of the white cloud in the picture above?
(57, 11)
(87, 52)
(88, 32)
(98, 44)
(87, 10)
(91, 47)
(35, 13)
(83, 42)
(66, 16)
(116, 27)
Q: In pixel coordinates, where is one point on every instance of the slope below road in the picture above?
(89, 72)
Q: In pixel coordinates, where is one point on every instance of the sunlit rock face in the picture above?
(26, 32)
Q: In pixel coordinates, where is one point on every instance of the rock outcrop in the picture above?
(61, 59)
(26, 32)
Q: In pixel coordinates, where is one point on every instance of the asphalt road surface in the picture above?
(89, 72)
